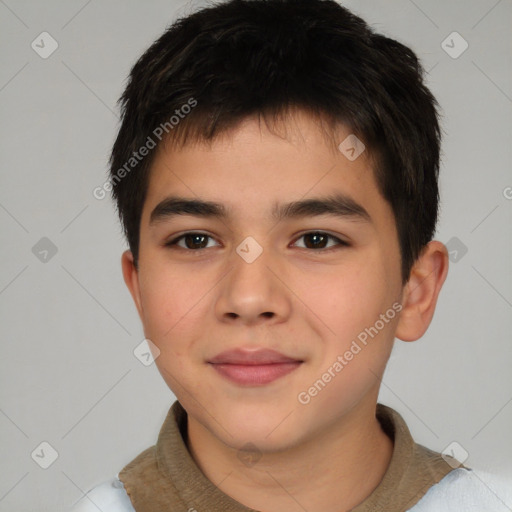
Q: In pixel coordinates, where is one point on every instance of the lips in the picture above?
(252, 357)
(253, 367)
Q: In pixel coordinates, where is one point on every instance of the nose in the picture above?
(252, 293)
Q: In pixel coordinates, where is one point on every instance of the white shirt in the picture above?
(461, 490)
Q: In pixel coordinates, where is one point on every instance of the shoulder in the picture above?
(109, 495)
(468, 490)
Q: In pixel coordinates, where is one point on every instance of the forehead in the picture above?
(252, 168)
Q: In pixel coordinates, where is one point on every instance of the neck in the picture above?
(334, 471)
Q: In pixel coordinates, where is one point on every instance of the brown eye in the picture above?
(195, 241)
(316, 240)
(191, 241)
(319, 240)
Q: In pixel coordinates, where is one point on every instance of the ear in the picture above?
(421, 291)
(131, 278)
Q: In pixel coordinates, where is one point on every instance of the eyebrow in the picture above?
(337, 205)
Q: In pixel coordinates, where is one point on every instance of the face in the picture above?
(319, 284)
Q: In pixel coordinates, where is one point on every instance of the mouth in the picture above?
(255, 367)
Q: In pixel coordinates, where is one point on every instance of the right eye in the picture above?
(192, 241)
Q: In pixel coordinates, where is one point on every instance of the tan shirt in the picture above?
(166, 478)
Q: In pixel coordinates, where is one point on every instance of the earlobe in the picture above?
(421, 291)
(131, 278)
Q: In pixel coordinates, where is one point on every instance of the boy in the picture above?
(276, 176)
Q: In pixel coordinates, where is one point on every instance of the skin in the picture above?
(331, 453)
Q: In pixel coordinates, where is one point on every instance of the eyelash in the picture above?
(341, 243)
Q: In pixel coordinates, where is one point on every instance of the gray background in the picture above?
(68, 373)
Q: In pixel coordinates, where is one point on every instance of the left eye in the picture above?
(318, 239)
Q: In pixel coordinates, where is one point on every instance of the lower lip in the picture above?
(255, 375)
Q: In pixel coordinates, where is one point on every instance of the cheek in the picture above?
(173, 315)
(349, 296)
(172, 305)
(356, 304)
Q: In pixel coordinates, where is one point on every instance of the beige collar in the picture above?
(165, 476)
